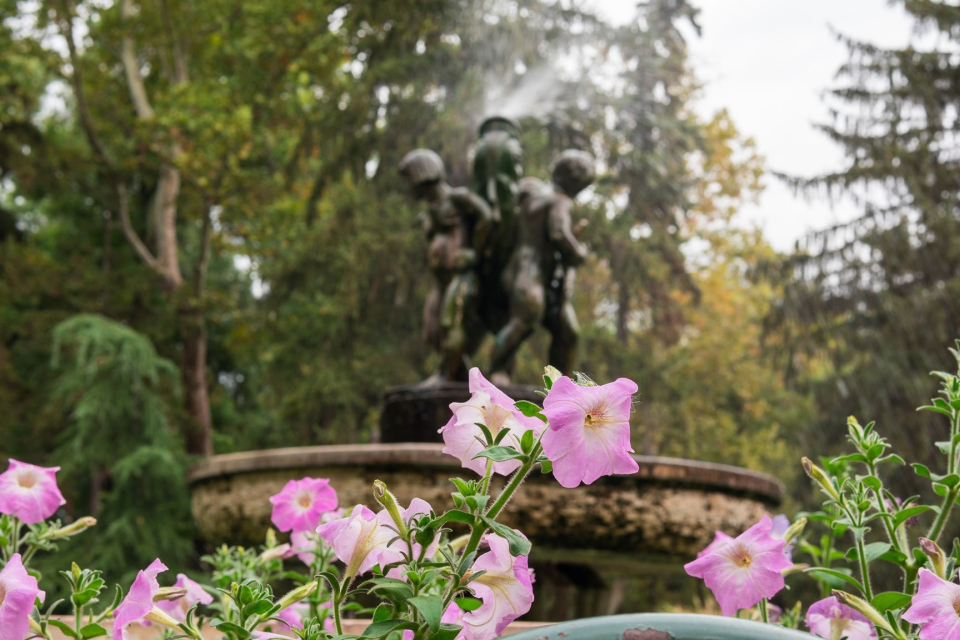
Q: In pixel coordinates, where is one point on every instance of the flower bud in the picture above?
(384, 497)
(271, 538)
(75, 572)
(169, 593)
(552, 374)
(795, 530)
(298, 594)
(160, 616)
(278, 552)
(459, 543)
(73, 529)
(36, 628)
(938, 559)
(821, 478)
(865, 608)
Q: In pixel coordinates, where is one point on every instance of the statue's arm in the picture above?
(477, 211)
(560, 232)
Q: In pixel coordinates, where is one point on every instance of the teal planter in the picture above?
(661, 626)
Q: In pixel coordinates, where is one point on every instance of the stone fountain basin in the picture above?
(670, 508)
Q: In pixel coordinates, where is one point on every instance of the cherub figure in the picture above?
(539, 275)
(457, 224)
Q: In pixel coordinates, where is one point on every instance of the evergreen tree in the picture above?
(872, 303)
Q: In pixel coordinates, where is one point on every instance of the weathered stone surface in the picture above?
(670, 508)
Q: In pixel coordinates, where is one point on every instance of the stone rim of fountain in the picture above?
(653, 468)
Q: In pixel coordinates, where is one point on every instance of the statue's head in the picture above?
(423, 170)
(573, 171)
(500, 123)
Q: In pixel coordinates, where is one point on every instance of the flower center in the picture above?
(3, 593)
(305, 500)
(956, 603)
(742, 557)
(26, 480)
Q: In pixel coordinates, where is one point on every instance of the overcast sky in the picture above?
(767, 62)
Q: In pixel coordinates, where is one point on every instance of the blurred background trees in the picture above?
(199, 209)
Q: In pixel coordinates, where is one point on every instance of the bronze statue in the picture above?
(539, 276)
(503, 256)
(456, 223)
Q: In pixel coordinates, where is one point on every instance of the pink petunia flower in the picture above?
(489, 406)
(828, 618)
(361, 540)
(720, 539)
(304, 543)
(18, 591)
(292, 616)
(139, 601)
(745, 570)
(589, 433)
(301, 504)
(195, 593)
(29, 493)
(935, 608)
(505, 589)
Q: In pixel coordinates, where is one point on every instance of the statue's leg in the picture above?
(431, 317)
(459, 309)
(565, 334)
(526, 311)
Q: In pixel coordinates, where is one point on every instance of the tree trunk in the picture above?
(196, 392)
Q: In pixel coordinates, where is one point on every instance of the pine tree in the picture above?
(873, 303)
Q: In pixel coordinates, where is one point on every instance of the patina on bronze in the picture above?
(503, 255)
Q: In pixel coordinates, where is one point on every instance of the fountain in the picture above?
(503, 260)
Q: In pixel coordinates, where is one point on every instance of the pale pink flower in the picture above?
(361, 540)
(194, 593)
(18, 591)
(935, 608)
(720, 539)
(292, 616)
(589, 434)
(139, 601)
(745, 570)
(29, 493)
(301, 504)
(492, 408)
(505, 589)
(828, 618)
(304, 543)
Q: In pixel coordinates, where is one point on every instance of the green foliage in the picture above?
(868, 304)
(120, 443)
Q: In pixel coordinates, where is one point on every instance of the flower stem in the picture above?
(864, 569)
(763, 610)
(941, 520)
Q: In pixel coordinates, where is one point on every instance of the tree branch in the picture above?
(128, 55)
(130, 233)
(76, 79)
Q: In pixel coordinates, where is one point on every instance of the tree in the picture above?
(871, 304)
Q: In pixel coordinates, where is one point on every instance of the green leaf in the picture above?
(921, 470)
(384, 627)
(92, 630)
(890, 600)
(454, 515)
(910, 512)
(499, 454)
(447, 632)
(526, 441)
(853, 457)
(832, 577)
(519, 545)
(64, 627)
(528, 409)
(546, 466)
(873, 482)
(83, 597)
(391, 587)
(951, 480)
(874, 550)
(431, 608)
(256, 608)
(229, 627)
(382, 612)
(468, 604)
